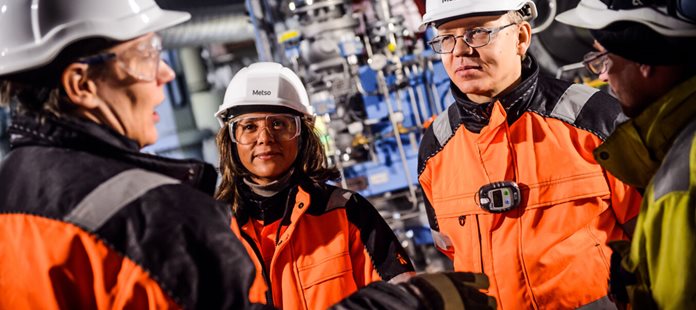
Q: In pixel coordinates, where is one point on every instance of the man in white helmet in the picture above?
(646, 54)
(89, 222)
(510, 184)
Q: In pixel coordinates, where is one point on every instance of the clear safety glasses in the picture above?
(597, 62)
(477, 37)
(141, 61)
(282, 127)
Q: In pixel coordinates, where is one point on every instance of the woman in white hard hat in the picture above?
(312, 243)
(86, 220)
(510, 184)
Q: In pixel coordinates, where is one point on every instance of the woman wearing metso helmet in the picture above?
(312, 243)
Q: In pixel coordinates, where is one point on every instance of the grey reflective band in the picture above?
(442, 127)
(339, 198)
(114, 194)
(675, 173)
(572, 101)
(603, 303)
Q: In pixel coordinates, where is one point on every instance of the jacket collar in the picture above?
(32, 129)
(475, 116)
(265, 208)
(635, 150)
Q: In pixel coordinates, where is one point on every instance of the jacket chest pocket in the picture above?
(462, 223)
(467, 233)
(327, 281)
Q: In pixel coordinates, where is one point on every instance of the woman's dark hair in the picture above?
(39, 90)
(310, 162)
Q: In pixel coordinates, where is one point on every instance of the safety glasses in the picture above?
(281, 127)
(141, 61)
(597, 62)
(477, 37)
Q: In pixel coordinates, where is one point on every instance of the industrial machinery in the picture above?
(373, 82)
(376, 85)
(370, 79)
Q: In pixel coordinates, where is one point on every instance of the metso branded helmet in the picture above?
(264, 87)
(440, 11)
(596, 14)
(33, 32)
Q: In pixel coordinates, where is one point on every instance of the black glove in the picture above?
(619, 277)
(451, 290)
(437, 291)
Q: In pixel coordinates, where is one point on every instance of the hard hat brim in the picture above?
(595, 15)
(36, 55)
(480, 9)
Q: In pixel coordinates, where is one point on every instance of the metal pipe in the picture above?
(419, 92)
(433, 88)
(262, 45)
(412, 96)
(382, 83)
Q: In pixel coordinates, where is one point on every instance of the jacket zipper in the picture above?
(478, 229)
(264, 273)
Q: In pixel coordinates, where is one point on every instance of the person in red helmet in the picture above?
(511, 187)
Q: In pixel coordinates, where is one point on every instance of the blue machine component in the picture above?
(350, 47)
(369, 77)
(323, 103)
(385, 172)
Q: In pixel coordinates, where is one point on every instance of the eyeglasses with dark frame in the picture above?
(282, 127)
(597, 62)
(141, 62)
(477, 37)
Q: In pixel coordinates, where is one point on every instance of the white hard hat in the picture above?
(595, 14)
(445, 10)
(263, 87)
(34, 32)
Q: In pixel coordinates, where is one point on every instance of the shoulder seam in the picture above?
(569, 106)
(594, 132)
(338, 199)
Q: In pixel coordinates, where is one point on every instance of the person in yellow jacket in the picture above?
(646, 54)
(312, 243)
(511, 186)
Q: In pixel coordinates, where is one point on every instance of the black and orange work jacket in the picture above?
(88, 222)
(314, 245)
(551, 251)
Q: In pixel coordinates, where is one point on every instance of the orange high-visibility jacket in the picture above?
(550, 252)
(332, 242)
(89, 222)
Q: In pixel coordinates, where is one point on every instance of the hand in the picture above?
(619, 278)
(452, 290)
